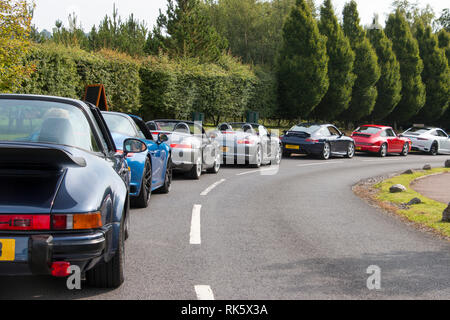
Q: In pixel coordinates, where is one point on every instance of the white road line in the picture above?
(195, 237)
(384, 160)
(257, 171)
(210, 188)
(318, 163)
(204, 293)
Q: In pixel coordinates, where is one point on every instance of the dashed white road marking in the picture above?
(195, 236)
(204, 293)
(318, 163)
(210, 188)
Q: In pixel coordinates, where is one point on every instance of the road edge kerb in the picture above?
(365, 190)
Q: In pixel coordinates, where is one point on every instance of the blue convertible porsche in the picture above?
(64, 191)
(150, 171)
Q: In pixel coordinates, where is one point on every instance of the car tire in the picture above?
(259, 156)
(383, 150)
(216, 167)
(143, 199)
(165, 189)
(326, 153)
(196, 172)
(405, 150)
(434, 150)
(278, 157)
(350, 150)
(110, 274)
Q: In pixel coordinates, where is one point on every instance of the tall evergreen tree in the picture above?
(190, 31)
(303, 64)
(340, 66)
(411, 66)
(444, 43)
(390, 85)
(435, 75)
(366, 67)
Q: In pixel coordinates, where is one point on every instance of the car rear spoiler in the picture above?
(37, 155)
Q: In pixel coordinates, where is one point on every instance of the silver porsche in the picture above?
(193, 149)
(248, 144)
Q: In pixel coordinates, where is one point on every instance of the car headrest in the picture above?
(182, 127)
(58, 131)
(225, 127)
(247, 128)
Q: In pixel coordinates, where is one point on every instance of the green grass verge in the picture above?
(428, 213)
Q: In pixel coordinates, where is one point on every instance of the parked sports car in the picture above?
(193, 150)
(380, 140)
(324, 140)
(427, 139)
(249, 143)
(150, 171)
(64, 190)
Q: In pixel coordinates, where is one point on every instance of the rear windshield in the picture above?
(305, 128)
(368, 130)
(45, 122)
(417, 130)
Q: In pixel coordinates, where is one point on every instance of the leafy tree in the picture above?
(366, 67)
(390, 85)
(303, 64)
(15, 29)
(444, 43)
(190, 32)
(340, 66)
(444, 20)
(413, 13)
(73, 36)
(411, 66)
(435, 75)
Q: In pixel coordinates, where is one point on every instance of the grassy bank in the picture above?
(428, 213)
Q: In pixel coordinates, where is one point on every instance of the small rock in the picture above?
(397, 188)
(414, 201)
(446, 214)
(427, 167)
(447, 163)
(409, 171)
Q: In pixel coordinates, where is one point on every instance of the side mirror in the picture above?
(162, 138)
(134, 146)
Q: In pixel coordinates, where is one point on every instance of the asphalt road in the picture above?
(298, 234)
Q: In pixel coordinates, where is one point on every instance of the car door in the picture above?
(394, 143)
(340, 141)
(444, 141)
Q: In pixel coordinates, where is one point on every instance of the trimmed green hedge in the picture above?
(155, 87)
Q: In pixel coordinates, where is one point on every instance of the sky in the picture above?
(91, 12)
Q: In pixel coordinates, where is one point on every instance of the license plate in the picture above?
(7, 249)
(288, 146)
(225, 149)
(358, 148)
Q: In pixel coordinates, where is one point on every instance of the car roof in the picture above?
(376, 126)
(74, 102)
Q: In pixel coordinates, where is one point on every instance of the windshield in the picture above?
(417, 131)
(45, 122)
(368, 130)
(119, 124)
(305, 128)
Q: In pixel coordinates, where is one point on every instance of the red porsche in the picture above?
(380, 140)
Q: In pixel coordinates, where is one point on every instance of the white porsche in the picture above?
(427, 139)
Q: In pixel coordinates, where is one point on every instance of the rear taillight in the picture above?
(312, 140)
(60, 269)
(181, 146)
(422, 139)
(84, 221)
(245, 141)
(24, 222)
(129, 155)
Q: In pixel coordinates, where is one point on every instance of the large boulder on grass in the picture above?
(397, 188)
(409, 171)
(447, 163)
(414, 201)
(427, 167)
(446, 214)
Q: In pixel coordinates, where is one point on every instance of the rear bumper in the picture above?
(184, 159)
(365, 148)
(35, 253)
(304, 148)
